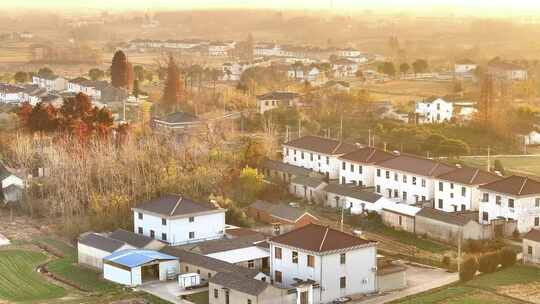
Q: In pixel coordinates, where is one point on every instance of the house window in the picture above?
(164, 236)
(400, 220)
(360, 169)
(310, 261)
(485, 197)
(414, 180)
(423, 183)
(440, 203)
(342, 259)
(311, 156)
(191, 219)
(187, 269)
(510, 203)
(251, 264)
(140, 215)
(140, 230)
(295, 257)
(191, 235)
(302, 155)
(152, 233)
(343, 282)
(396, 193)
(529, 250)
(277, 276)
(404, 178)
(387, 174)
(537, 221)
(328, 160)
(498, 199)
(379, 172)
(216, 293)
(537, 202)
(441, 186)
(163, 221)
(343, 165)
(404, 195)
(396, 177)
(463, 191)
(277, 253)
(451, 185)
(485, 216)
(352, 167)
(287, 151)
(451, 195)
(318, 156)
(378, 188)
(343, 180)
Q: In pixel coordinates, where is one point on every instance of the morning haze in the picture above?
(269, 152)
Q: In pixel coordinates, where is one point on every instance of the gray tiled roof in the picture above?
(134, 239)
(213, 246)
(322, 145)
(238, 282)
(442, 216)
(284, 167)
(310, 181)
(279, 210)
(101, 242)
(353, 192)
(174, 205)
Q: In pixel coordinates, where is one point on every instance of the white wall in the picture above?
(12, 180)
(421, 191)
(525, 210)
(168, 267)
(365, 175)
(436, 111)
(119, 275)
(452, 195)
(206, 227)
(312, 160)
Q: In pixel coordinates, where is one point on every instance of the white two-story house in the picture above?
(357, 167)
(434, 110)
(176, 220)
(408, 178)
(51, 83)
(272, 100)
(329, 263)
(317, 153)
(464, 67)
(458, 190)
(514, 197)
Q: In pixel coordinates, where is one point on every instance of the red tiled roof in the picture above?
(469, 176)
(319, 238)
(416, 165)
(367, 155)
(321, 145)
(514, 185)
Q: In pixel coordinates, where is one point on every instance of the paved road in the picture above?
(419, 279)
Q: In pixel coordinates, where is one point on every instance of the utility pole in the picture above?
(299, 128)
(342, 211)
(459, 251)
(488, 158)
(369, 138)
(385, 147)
(341, 128)
(287, 134)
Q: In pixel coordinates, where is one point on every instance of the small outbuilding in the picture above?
(93, 247)
(134, 267)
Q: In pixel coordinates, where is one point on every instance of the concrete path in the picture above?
(169, 291)
(419, 279)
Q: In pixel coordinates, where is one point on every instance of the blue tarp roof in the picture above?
(134, 257)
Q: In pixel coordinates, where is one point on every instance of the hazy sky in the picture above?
(494, 7)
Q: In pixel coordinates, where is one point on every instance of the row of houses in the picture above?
(31, 93)
(204, 47)
(404, 178)
(465, 68)
(175, 238)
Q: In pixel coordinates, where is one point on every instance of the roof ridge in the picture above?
(176, 205)
(474, 175)
(324, 238)
(523, 185)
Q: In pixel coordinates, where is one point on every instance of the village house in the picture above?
(357, 167)
(400, 216)
(51, 83)
(319, 154)
(33, 94)
(434, 110)
(273, 100)
(93, 247)
(349, 52)
(176, 220)
(311, 74)
(408, 178)
(464, 67)
(236, 288)
(309, 188)
(531, 247)
(282, 218)
(448, 227)
(12, 184)
(177, 121)
(274, 170)
(344, 68)
(10, 93)
(338, 86)
(513, 197)
(458, 190)
(327, 263)
(354, 199)
(266, 50)
(507, 71)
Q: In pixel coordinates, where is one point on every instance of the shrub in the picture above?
(488, 262)
(468, 269)
(445, 261)
(508, 257)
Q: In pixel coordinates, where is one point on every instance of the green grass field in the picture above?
(68, 269)
(485, 289)
(18, 280)
(519, 165)
(411, 239)
(198, 298)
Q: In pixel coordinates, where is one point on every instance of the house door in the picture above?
(227, 297)
(304, 297)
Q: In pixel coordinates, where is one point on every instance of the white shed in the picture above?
(93, 247)
(134, 267)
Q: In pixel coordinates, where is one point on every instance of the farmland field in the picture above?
(18, 280)
(513, 285)
(521, 165)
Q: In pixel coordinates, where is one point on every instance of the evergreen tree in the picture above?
(173, 87)
(119, 70)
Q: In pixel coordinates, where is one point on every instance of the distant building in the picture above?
(507, 71)
(434, 110)
(465, 67)
(531, 247)
(51, 83)
(272, 100)
(282, 218)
